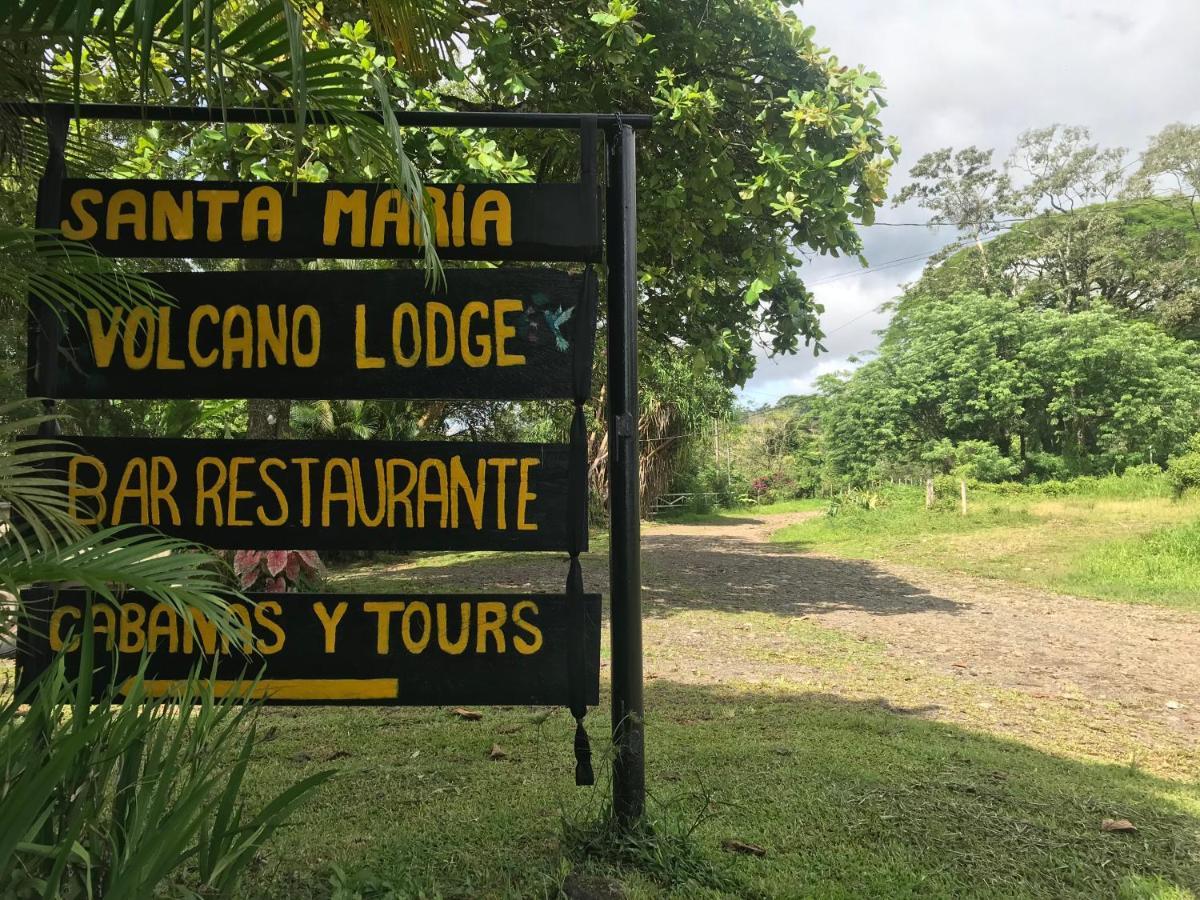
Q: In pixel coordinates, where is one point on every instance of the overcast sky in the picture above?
(960, 72)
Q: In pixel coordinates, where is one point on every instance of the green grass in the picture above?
(1113, 542)
(860, 773)
(1164, 565)
(847, 799)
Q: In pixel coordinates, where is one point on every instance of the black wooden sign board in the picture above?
(377, 649)
(332, 495)
(485, 334)
(146, 218)
(328, 494)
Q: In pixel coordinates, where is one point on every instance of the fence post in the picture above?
(962, 488)
(929, 497)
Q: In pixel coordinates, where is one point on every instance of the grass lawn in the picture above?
(858, 773)
(847, 799)
(1139, 549)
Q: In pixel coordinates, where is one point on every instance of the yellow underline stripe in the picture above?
(285, 688)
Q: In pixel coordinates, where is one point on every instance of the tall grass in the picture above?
(899, 514)
(1161, 567)
(1112, 537)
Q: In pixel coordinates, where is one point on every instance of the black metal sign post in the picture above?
(624, 481)
(432, 495)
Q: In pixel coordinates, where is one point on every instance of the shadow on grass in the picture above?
(682, 572)
(848, 799)
(686, 572)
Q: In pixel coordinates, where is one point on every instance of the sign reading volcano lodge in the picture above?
(485, 334)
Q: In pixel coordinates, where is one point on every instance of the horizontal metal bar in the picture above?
(279, 116)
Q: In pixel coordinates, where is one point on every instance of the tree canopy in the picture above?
(764, 147)
(1060, 340)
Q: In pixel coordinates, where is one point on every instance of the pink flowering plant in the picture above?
(276, 571)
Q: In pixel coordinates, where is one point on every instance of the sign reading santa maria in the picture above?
(327, 494)
(535, 222)
(398, 649)
(481, 333)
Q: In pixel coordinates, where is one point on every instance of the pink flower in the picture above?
(246, 560)
(276, 561)
(275, 586)
(310, 559)
(292, 570)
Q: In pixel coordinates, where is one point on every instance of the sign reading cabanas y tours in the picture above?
(396, 649)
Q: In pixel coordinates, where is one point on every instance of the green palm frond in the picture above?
(111, 560)
(265, 53)
(29, 485)
(421, 33)
(67, 276)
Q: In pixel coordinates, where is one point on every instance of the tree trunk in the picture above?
(268, 419)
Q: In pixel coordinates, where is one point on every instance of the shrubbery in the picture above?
(1183, 471)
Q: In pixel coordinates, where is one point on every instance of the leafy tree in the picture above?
(762, 145)
(1055, 237)
(1173, 157)
(1183, 469)
(962, 189)
(1142, 258)
(1062, 170)
(1091, 387)
(945, 370)
(1109, 393)
(976, 460)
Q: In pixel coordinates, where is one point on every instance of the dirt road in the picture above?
(723, 605)
(1132, 666)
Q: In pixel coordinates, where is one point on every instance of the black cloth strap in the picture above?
(584, 776)
(577, 516)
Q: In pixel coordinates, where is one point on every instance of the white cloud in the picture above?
(960, 73)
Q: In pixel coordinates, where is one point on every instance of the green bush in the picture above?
(1047, 467)
(1143, 471)
(973, 460)
(1056, 488)
(1003, 488)
(129, 800)
(1183, 473)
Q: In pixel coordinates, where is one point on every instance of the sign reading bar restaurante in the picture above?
(327, 494)
(401, 649)
(536, 222)
(487, 334)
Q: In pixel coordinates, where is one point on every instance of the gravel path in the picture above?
(1143, 660)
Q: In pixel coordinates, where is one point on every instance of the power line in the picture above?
(891, 263)
(1116, 204)
(872, 311)
(856, 273)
